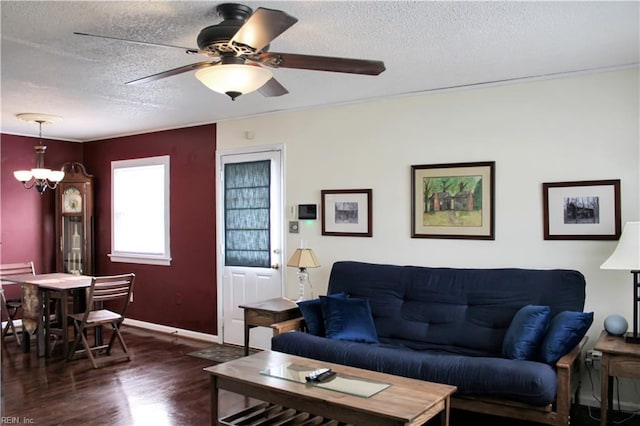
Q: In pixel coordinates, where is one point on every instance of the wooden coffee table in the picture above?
(405, 402)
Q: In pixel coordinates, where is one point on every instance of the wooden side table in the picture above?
(265, 313)
(619, 359)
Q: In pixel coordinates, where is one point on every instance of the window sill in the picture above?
(141, 259)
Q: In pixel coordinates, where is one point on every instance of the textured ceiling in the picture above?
(425, 46)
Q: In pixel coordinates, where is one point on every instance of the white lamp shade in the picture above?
(304, 258)
(56, 175)
(22, 175)
(234, 78)
(626, 256)
(40, 173)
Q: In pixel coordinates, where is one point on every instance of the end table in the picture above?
(620, 359)
(265, 313)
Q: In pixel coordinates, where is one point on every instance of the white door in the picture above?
(250, 239)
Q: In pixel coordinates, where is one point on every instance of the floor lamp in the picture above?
(626, 257)
(302, 259)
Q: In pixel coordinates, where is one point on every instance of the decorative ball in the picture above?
(615, 325)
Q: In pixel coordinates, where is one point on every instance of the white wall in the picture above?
(584, 127)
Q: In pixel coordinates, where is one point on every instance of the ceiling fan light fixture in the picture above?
(234, 80)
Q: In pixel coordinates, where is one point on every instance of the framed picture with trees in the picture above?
(454, 200)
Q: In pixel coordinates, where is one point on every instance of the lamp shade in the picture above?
(303, 258)
(235, 79)
(22, 175)
(56, 175)
(40, 173)
(626, 256)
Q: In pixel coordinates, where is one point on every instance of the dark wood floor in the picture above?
(161, 386)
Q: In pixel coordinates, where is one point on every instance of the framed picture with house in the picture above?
(347, 212)
(453, 200)
(581, 210)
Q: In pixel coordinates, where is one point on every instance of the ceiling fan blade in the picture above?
(321, 63)
(273, 88)
(262, 27)
(187, 49)
(172, 72)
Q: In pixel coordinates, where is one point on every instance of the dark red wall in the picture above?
(182, 295)
(26, 217)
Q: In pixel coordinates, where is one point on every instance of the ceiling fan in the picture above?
(238, 53)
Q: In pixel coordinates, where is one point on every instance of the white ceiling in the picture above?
(425, 45)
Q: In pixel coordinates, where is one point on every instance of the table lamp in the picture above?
(626, 257)
(302, 259)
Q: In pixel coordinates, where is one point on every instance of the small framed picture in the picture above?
(453, 200)
(346, 212)
(582, 210)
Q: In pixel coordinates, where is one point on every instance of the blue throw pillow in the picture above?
(312, 314)
(526, 332)
(565, 332)
(348, 319)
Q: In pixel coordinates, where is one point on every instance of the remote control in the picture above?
(325, 376)
(313, 376)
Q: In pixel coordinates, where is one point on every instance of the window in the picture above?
(140, 211)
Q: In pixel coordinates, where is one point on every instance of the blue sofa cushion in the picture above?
(524, 381)
(312, 314)
(348, 319)
(525, 332)
(565, 332)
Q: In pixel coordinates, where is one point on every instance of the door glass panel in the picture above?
(247, 214)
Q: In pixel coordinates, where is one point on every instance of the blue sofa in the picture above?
(478, 329)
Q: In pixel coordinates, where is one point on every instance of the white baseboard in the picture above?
(172, 330)
(149, 326)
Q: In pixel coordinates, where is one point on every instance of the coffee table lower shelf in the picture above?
(272, 414)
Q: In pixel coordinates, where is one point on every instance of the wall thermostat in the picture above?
(307, 211)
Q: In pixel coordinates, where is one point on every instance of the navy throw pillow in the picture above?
(348, 319)
(565, 332)
(312, 314)
(525, 332)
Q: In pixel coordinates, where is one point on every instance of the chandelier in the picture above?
(39, 177)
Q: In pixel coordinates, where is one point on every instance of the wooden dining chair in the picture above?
(115, 291)
(11, 306)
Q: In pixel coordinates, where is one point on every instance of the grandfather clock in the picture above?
(74, 221)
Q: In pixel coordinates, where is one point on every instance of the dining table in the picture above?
(37, 293)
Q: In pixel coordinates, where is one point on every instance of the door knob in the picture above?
(276, 251)
(275, 266)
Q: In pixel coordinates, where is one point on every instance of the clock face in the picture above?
(71, 200)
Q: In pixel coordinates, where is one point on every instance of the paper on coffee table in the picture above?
(340, 382)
